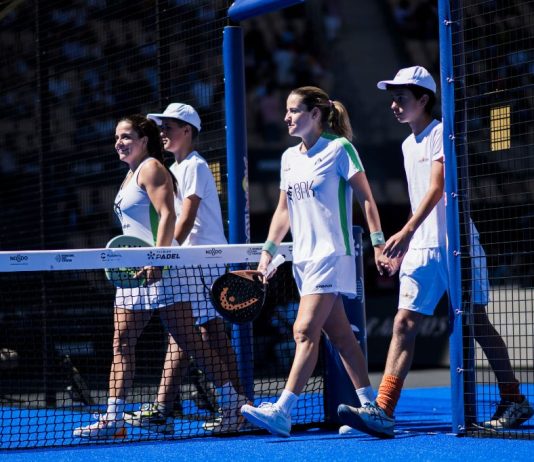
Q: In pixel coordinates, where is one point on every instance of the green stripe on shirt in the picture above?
(343, 214)
(351, 150)
(154, 222)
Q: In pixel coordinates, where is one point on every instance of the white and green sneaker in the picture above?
(151, 419)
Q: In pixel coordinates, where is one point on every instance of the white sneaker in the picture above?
(103, 429)
(269, 417)
(346, 430)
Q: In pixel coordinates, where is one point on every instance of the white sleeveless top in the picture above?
(136, 213)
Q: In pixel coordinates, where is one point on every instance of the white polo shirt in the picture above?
(320, 197)
(194, 177)
(419, 153)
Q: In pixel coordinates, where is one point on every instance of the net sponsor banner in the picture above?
(38, 260)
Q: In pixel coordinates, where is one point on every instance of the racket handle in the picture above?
(275, 263)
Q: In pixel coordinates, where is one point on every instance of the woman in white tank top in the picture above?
(145, 207)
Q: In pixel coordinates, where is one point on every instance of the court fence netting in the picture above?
(57, 312)
(491, 69)
(69, 71)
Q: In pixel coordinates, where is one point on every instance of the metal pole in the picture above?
(238, 205)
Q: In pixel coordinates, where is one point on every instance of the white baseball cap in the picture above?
(415, 75)
(178, 111)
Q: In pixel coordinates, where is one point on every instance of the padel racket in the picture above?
(125, 278)
(238, 296)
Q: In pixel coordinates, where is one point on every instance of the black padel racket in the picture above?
(238, 296)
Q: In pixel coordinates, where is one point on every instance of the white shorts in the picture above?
(203, 310)
(423, 279)
(172, 288)
(336, 274)
(479, 272)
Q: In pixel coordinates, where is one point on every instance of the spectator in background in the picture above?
(269, 110)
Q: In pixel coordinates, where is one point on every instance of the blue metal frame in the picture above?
(245, 9)
(236, 135)
(452, 211)
(236, 155)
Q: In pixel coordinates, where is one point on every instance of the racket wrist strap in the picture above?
(270, 247)
(377, 238)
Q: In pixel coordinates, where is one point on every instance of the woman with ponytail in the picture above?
(318, 178)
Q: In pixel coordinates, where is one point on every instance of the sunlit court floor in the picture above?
(423, 433)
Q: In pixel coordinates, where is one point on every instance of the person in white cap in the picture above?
(199, 222)
(418, 251)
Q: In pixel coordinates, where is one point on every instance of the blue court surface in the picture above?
(423, 434)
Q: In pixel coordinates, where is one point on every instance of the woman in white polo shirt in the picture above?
(318, 179)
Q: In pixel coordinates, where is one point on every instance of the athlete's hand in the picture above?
(150, 273)
(397, 245)
(380, 259)
(391, 265)
(265, 259)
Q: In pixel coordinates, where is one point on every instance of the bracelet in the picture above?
(270, 247)
(377, 238)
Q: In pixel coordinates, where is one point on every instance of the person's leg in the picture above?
(514, 408)
(496, 352)
(159, 416)
(179, 320)
(399, 359)
(377, 418)
(174, 368)
(340, 333)
(214, 334)
(181, 324)
(128, 326)
(313, 312)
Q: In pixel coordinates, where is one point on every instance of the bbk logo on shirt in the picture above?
(301, 190)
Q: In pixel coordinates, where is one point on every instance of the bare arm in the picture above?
(157, 182)
(187, 217)
(277, 230)
(365, 198)
(397, 245)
